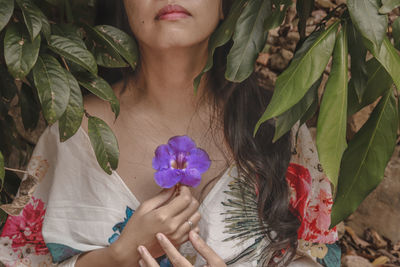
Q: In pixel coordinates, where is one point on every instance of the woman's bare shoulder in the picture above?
(97, 107)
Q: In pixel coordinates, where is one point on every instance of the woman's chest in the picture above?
(135, 169)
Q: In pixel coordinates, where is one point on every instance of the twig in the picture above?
(16, 170)
(21, 171)
(65, 63)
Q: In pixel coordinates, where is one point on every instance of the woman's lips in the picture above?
(172, 12)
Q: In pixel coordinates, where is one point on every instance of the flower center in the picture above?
(179, 162)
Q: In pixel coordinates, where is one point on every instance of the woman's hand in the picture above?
(177, 260)
(164, 213)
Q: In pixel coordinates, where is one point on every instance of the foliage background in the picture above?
(50, 56)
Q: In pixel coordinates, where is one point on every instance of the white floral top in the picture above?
(68, 205)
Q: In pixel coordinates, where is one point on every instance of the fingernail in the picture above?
(160, 237)
(141, 250)
(141, 263)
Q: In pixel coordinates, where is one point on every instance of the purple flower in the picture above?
(179, 161)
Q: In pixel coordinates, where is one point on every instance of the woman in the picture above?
(245, 219)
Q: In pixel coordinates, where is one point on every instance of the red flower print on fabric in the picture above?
(27, 228)
(315, 214)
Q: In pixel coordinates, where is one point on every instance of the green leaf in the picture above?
(388, 6)
(104, 54)
(221, 36)
(104, 143)
(100, 88)
(2, 171)
(390, 59)
(286, 121)
(52, 85)
(368, 21)
(305, 69)
(29, 107)
(365, 160)
(69, 31)
(358, 53)
(309, 114)
(379, 82)
(332, 119)
(32, 17)
(276, 18)
(121, 42)
(249, 39)
(19, 52)
(74, 52)
(107, 57)
(46, 28)
(8, 88)
(304, 9)
(71, 120)
(396, 33)
(6, 11)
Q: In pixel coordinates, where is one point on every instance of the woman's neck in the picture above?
(165, 79)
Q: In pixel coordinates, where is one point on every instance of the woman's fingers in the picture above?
(188, 212)
(179, 203)
(173, 254)
(147, 260)
(208, 254)
(158, 200)
(181, 234)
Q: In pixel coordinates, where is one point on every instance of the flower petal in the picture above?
(168, 178)
(179, 144)
(191, 177)
(198, 159)
(162, 158)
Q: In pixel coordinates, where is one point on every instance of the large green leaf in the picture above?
(73, 51)
(8, 88)
(286, 121)
(379, 82)
(69, 31)
(388, 6)
(332, 119)
(104, 143)
(304, 70)
(6, 11)
(71, 120)
(249, 39)
(365, 160)
(221, 36)
(358, 53)
(100, 88)
(2, 171)
(104, 53)
(304, 9)
(390, 59)
(366, 18)
(19, 52)
(32, 16)
(396, 32)
(29, 107)
(52, 86)
(124, 44)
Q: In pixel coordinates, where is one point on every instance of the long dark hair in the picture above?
(259, 161)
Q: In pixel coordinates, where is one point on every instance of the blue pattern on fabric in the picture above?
(121, 225)
(332, 258)
(163, 261)
(60, 252)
